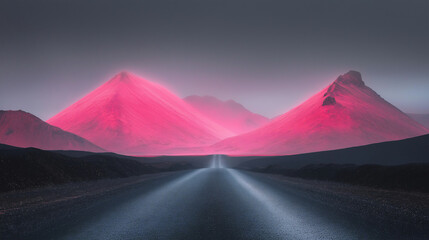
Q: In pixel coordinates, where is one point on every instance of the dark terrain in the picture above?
(213, 203)
(407, 177)
(411, 150)
(22, 168)
(377, 191)
(400, 165)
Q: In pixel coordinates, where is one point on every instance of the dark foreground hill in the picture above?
(408, 177)
(400, 165)
(30, 167)
(411, 150)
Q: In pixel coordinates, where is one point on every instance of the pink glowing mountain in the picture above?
(347, 113)
(229, 114)
(131, 115)
(22, 129)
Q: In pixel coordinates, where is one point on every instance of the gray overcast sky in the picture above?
(267, 55)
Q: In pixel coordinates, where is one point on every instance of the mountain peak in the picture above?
(206, 98)
(123, 77)
(351, 78)
(213, 101)
(17, 114)
(235, 105)
(125, 74)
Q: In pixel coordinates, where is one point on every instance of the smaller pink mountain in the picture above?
(346, 113)
(22, 129)
(229, 114)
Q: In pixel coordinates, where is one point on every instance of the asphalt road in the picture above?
(213, 203)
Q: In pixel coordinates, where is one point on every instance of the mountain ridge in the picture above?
(229, 114)
(22, 129)
(346, 113)
(131, 115)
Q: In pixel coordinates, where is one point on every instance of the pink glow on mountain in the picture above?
(21, 129)
(229, 114)
(347, 113)
(131, 115)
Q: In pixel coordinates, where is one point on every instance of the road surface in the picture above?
(212, 203)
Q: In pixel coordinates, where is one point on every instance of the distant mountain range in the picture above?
(133, 116)
(229, 114)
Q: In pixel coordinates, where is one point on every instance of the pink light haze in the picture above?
(131, 115)
(346, 113)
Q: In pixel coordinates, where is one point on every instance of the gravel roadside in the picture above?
(406, 210)
(27, 211)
